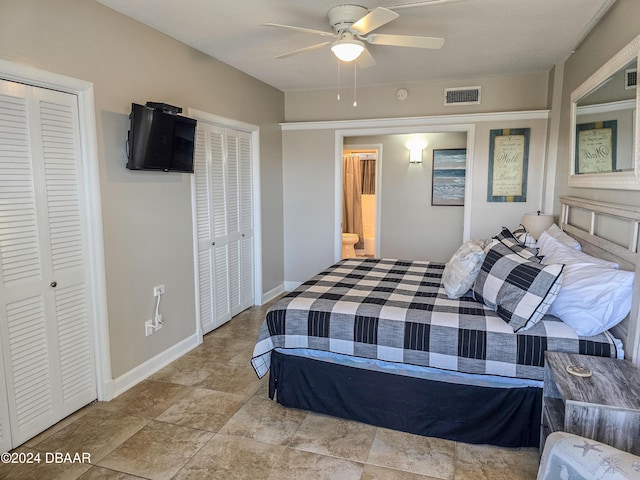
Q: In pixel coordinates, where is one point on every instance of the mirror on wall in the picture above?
(604, 125)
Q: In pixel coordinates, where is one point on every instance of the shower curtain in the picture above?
(368, 176)
(351, 200)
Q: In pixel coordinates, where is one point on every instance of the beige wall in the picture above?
(517, 93)
(309, 164)
(147, 216)
(407, 216)
(488, 217)
(619, 27)
(616, 30)
(309, 161)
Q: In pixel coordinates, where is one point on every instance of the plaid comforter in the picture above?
(398, 311)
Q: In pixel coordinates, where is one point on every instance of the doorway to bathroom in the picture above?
(408, 225)
(360, 200)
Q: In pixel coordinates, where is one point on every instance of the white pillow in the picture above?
(593, 298)
(554, 251)
(462, 269)
(562, 237)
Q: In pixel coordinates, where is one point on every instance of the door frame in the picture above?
(92, 207)
(393, 127)
(254, 131)
(378, 148)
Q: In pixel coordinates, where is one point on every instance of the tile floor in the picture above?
(207, 416)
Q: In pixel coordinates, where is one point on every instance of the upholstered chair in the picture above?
(570, 457)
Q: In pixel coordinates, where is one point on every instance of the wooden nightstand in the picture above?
(603, 407)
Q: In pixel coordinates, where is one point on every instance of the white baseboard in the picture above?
(288, 286)
(271, 294)
(144, 370)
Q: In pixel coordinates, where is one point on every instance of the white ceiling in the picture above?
(483, 38)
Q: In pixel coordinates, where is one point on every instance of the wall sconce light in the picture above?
(415, 155)
(415, 146)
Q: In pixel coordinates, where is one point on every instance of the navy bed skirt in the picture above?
(506, 417)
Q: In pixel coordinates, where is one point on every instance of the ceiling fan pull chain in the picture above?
(355, 87)
(338, 98)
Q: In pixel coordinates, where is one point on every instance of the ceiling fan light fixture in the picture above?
(347, 49)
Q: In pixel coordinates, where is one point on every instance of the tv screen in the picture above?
(159, 140)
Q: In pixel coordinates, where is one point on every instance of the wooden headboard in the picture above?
(609, 231)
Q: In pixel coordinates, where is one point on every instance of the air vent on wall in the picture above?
(630, 78)
(462, 96)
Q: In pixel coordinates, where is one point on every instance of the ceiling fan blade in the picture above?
(365, 60)
(374, 19)
(422, 3)
(302, 50)
(301, 29)
(405, 41)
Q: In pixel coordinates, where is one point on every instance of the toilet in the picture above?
(348, 241)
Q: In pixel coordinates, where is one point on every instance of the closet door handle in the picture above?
(54, 284)
(213, 243)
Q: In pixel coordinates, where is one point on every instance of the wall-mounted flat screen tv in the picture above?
(160, 140)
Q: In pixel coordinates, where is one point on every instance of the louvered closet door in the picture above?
(44, 327)
(204, 233)
(210, 172)
(6, 442)
(233, 211)
(240, 220)
(246, 274)
(224, 223)
(218, 188)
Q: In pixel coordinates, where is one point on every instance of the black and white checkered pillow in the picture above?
(525, 237)
(509, 240)
(518, 290)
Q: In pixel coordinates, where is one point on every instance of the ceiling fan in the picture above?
(352, 26)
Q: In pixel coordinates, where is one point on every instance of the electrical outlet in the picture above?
(159, 290)
(150, 328)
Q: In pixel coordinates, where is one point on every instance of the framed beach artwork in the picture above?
(449, 174)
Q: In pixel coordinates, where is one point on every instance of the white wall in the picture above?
(147, 216)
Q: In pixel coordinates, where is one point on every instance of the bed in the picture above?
(380, 341)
